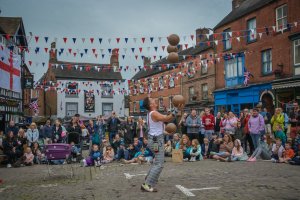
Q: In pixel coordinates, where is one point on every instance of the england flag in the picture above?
(10, 70)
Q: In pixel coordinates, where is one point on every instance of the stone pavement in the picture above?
(208, 180)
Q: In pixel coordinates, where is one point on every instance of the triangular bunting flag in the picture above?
(155, 48)
(100, 40)
(43, 64)
(141, 49)
(74, 54)
(126, 40)
(159, 39)
(46, 39)
(163, 48)
(74, 40)
(36, 38)
(70, 50)
(123, 56)
(134, 40)
(94, 50)
(216, 42)
(151, 39)
(83, 40)
(143, 40)
(109, 50)
(118, 40)
(46, 50)
(85, 50)
(136, 57)
(192, 37)
(109, 40)
(132, 49)
(260, 35)
(92, 40)
(65, 40)
(81, 54)
(186, 46)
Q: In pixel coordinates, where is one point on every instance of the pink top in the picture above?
(29, 157)
(237, 153)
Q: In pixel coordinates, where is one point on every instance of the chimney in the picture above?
(201, 35)
(114, 59)
(236, 4)
(147, 61)
(53, 52)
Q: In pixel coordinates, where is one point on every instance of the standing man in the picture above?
(155, 122)
(113, 123)
(193, 123)
(47, 132)
(218, 120)
(208, 120)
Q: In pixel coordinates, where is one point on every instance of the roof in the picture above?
(155, 70)
(78, 74)
(248, 6)
(10, 26)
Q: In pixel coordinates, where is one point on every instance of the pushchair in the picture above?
(76, 151)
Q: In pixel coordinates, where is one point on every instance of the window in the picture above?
(106, 91)
(191, 70)
(267, 61)
(251, 27)
(134, 106)
(204, 92)
(161, 83)
(170, 102)
(135, 90)
(204, 66)
(72, 90)
(281, 18)
(171, 82)
(234, 70)
(149, 85)
(71, 109)
(227, 39)
(141, 88)
(191, 93)
(161, 103)
(297, 52)
(107, 109)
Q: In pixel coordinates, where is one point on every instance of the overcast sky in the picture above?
(110, 19)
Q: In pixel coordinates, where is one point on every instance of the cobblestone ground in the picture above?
(240, 180)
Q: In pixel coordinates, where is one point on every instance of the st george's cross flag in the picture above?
(10, 70)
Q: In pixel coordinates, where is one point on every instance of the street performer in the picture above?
(155, 122)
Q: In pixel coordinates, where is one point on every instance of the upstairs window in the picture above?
(281, 18)
(251, 27)
(227, 39)
(266, 61)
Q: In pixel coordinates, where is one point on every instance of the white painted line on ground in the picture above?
(48, 185)
(129, 176)
(7, 187)
(188, 192)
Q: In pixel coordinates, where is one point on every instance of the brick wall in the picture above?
(279, 43)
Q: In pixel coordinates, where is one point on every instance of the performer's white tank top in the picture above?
(155, 128)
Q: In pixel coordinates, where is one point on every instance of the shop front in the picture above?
(237, 99)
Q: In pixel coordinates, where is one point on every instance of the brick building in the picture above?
(198, 87)
(260, 37)
(13, 43)
(68, 88)
(160, 80)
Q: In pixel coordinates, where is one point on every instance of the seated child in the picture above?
(140, 157)
(28, 157)
(168, 148)
(108, 154)
(96, 155)
(214, 146)
(195, 151)
(38, 156)
(238, 153)
(277, 150)
(75, 151)
(280, 134)
(205, 148)
(288, 154)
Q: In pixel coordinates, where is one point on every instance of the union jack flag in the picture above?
(247, 76)
(34, 105)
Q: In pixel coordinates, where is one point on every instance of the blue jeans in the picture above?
(112, 135)
(255, 139)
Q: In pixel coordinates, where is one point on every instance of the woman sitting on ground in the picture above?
(263, 151)
(226, 146)
(11, 149)
(185, 145)
(175, 141)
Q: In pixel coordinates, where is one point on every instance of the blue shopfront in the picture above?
(239, 98)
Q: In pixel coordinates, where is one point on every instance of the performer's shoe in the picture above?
(148, 188)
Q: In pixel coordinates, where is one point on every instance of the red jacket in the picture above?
(208, 121)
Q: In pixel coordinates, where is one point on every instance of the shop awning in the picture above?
(286, 84)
